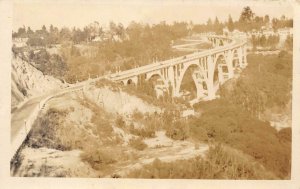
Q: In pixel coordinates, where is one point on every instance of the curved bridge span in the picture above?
(212, 68)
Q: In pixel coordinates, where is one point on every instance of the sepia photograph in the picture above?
(151, 90)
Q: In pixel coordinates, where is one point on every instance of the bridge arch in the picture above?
(155, 74)
(129, 82)
(158, 77)
(220, 66)
(192, 64)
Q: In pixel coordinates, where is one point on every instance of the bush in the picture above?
(24, 91)
(285, 135)
(137, 115)
(102, 127)
(138, 143)
(143, 132)
(120, 122)
(178, 131)
(99, 158)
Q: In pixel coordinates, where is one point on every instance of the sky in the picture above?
(79, 13)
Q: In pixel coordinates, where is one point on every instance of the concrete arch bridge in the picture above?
(212, 68)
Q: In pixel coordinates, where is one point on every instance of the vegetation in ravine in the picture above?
(264, 84)
(220, 163)
(235, 118)
(44, 131)
(227, 123)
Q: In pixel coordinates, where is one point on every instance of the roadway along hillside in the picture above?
(23, 118)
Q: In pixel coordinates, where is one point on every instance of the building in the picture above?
(20, 41)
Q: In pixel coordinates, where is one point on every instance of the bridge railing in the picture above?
(174, 61)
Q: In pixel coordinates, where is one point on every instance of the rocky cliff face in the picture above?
(28, 82)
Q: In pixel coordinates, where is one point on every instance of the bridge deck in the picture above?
(171, 62)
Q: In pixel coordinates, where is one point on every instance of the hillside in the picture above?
(103, 128)
(27, 81)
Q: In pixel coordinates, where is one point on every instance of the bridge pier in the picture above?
(210, 79)
(199, 82)
(229, 62)
(245, 63)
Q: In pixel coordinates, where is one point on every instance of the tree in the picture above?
(65, 34)
(217, 26)
(209, 25)
(21, 32)
(113, 29)
(289, 43)
(29, 31)
(247, 15)
(283, 18)
(254, 42)
(230, 24)
(120, 31)
(217, 22)
(267, 19)
(44, 29)
(246, 19)
(263, 41)
(51, 29)
(275, 23)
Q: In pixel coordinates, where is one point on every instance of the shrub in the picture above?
(137, 115)
(99, 158)
(24, 91)
(143, 132)
(120, 122)
(178, 131)
(285, 135)
(138, 143)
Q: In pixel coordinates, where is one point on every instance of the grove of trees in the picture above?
(122, 48)
(246, 22)
(263, 41)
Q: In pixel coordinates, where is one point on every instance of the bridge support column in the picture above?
(240, 56)
(229, 62)
(244, 51)
(220, 74)
(210, 79)
(199, 84)
(135, 80)
(217, 42)
(172, 80)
